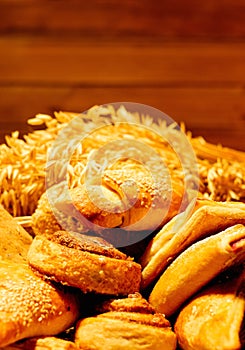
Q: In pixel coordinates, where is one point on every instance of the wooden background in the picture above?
(186, 58)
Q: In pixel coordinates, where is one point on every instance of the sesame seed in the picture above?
(28, 302)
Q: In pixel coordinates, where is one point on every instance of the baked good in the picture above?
(24, 160)
(135, 327)
(106, 204)
(137, 182)
(206, 218)
(42, 343)
(47, 219)
(90, 264)
(213, 318)
(196, 266)
(31, 306)
(131, 303)
(15, 240)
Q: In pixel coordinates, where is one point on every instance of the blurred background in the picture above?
(186, 58)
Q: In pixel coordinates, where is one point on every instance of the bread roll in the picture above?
(31, 306)
(196, 266)
(130, 328)
(140, 188)
(207, 218)
(213, 318)
(89, 267)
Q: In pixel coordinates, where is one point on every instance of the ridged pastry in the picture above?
(117, 328)
(31, 306)
(85, 263)
(213, 319)
(132, 303)
(207, 218)
(15, 241)
(196, 266)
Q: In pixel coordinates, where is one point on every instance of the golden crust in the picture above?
(43, 219)
(15, 241)
(133, 303)
(84, 270)
(43, 343)
(31, 306)
(47, 219)
(207, 218)
(135, 326)
(124, 193)
(156, 320)
(91, 244)
(213, 317)
(196, 266)
(97, 333)
(106, 217)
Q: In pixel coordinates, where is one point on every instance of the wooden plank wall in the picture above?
(186, 58)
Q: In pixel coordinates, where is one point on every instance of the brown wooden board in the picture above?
(108, 18)
(215, 113)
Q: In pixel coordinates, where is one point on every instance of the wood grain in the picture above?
(184, 58)
(106, 18)
(51, 61)
(216, 114)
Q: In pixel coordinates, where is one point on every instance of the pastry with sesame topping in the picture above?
(32, 306)
(129, 323)
(88, 263)
(121, 175)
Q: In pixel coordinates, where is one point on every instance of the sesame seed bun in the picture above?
(31, 306)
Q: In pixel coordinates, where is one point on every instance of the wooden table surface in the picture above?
(186, 58)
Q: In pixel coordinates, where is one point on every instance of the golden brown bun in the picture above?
(15, 241)
(107, 215)
(104, 201)
(110, 216)
(196, 266)
(99, 333)
(86, 270)
(125, 328)
(213, 318)
(208, 217)
(31, 306)
(43, 343)
(44, 219)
